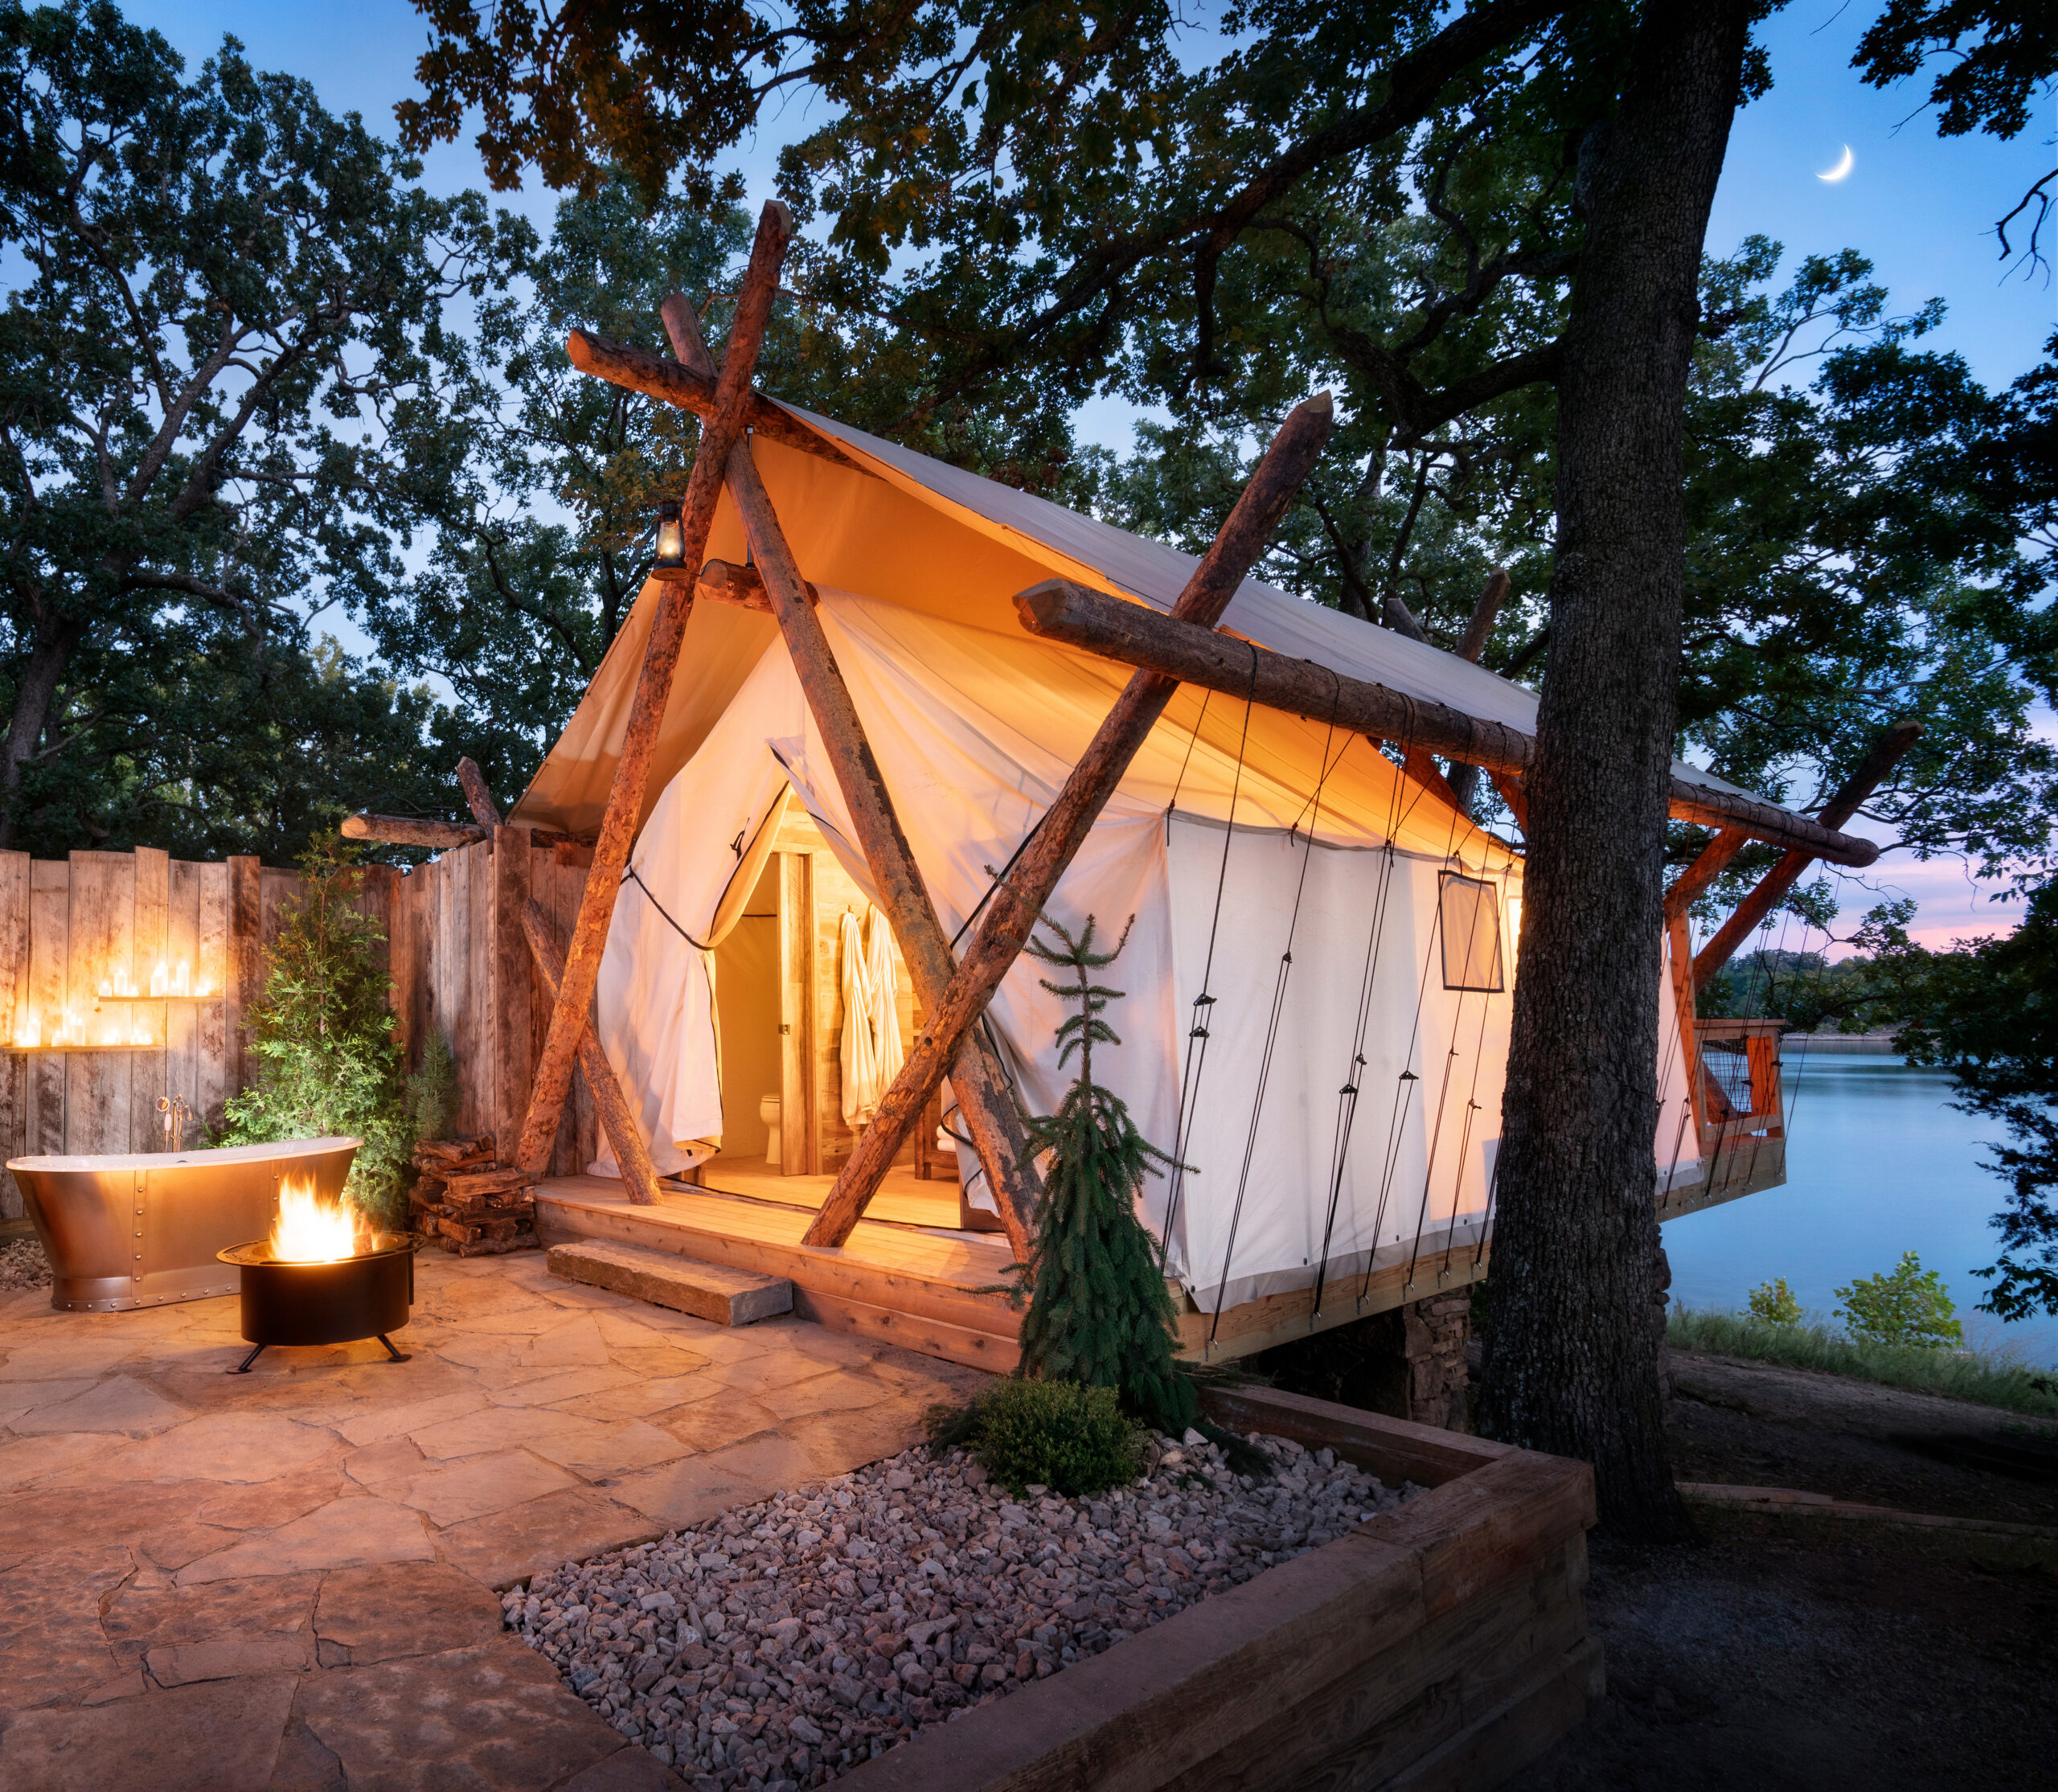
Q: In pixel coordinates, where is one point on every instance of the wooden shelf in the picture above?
(39, 1051)
(101, 1000)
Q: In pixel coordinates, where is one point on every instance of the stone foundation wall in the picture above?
(1409, 1362)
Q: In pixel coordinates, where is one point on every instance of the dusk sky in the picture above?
(1921, 208)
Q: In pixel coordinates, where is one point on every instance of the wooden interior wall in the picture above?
(815, 893)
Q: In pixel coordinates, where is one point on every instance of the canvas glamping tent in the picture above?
(1322, 948)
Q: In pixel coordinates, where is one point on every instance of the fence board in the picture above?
(245, 966)
(152, 885)
(50, 917)
(214, 1019)
(513, 1027)
(13, 1016)
(103, 910)
(181, 1019)
(477, 1065)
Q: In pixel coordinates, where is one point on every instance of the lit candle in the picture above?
(160, 980)
(183, 981)
(107, 985)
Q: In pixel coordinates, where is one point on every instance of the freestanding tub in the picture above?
(144, 1229)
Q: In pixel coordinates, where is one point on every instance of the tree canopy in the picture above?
(234, 305)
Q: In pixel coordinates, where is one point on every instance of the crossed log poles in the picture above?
(952, 995)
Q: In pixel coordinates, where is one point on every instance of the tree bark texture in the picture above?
(1571, 1357)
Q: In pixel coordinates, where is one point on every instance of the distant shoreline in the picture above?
(1814, 1042)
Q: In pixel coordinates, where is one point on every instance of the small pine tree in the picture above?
(1099, 1312)
(328, 1061)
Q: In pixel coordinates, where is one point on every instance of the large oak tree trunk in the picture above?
(1573, 1355)
(36, 695)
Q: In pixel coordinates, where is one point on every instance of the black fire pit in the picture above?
(365, 1295)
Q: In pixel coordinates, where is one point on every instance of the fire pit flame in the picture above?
(310, 1230)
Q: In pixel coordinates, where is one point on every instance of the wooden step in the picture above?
(706, 1290)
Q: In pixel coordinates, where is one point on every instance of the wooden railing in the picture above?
(1739, 1115)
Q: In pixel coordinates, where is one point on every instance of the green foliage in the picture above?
(230, 394)
(1056, 1434)
(432, 1092)
(328, 1064)
(1993, 1379)
(1099, 1311)
(1773, 1303)
(543, 522)
(1985, 1011)
(1906, 1308)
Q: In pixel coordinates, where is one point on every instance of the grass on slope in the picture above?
(1991, 1378)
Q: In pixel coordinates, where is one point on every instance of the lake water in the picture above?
(1878, 1162)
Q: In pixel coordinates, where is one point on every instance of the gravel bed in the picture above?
(22, 1265)
(783, 1643)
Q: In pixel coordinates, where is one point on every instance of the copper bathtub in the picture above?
(143, 1230)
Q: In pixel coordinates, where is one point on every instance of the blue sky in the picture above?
(1920, 206)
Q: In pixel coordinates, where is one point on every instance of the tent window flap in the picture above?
(1471, 918)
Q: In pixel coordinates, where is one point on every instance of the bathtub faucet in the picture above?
(176, 1114)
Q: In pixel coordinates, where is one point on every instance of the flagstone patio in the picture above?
(288, 1579)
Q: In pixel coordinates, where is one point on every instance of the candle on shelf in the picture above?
(182, 982)
(160, 980)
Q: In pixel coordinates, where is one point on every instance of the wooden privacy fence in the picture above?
(125, 977)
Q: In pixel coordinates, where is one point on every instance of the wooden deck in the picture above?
(925, 1288)
(907, 1278)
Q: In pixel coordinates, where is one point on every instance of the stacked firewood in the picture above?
(469, 1201)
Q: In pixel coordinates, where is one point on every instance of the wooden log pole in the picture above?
(722, 425)
(638, 370)
(983, 1095)
(1137, 636)
(637, 1171)
(407, 830)
(479, 795)
(1712, 862)
(1012, 909)
(1773, 888)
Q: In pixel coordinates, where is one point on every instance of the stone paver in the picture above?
(286, 1580)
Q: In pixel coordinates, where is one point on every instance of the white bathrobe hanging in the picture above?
(861, 1083)
(882, 974)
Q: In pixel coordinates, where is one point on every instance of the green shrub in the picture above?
(1055, 1434)
(1773, 1303)
(1907, 1308)
(328, 1064)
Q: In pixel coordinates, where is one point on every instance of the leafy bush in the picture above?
(1906, 1308)
(1773, 1303)
(1055, 1434)
(328, 1062)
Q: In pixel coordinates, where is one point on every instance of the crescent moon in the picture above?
(1841, 168)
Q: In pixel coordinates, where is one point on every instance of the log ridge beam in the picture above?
(1137, 635)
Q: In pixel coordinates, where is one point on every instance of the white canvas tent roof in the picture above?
(931, 537)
